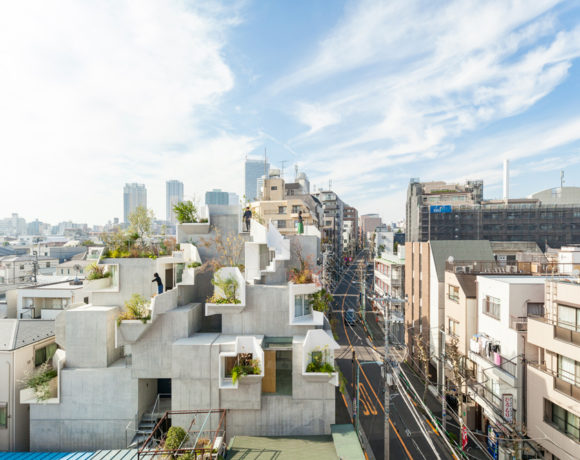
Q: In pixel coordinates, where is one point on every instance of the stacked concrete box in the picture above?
(90, 337)
(152, 353)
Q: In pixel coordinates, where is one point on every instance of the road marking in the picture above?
(366, 399)
(365, 376)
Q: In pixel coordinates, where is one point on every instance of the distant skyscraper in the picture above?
(174, 195)
(254, 169)
(233, 199)
(133, 195)
(216, 196)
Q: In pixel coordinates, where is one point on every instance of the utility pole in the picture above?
(442, 378)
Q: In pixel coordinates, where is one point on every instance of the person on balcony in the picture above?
(157, 279)
(247, 217)
(300, 223)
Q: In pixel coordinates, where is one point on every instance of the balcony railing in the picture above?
(561, 332)
(519, 323)
(564, 381)
(502, 362)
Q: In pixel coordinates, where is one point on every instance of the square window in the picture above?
(3, 415)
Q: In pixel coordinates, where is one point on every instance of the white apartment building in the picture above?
(21, 269)
(121, 376)
(500, 347)
(553, 379)
(24, 345)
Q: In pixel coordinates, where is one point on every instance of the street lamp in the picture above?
(390, 300)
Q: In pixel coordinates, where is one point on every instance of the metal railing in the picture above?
(507, 365)
(562, 330)
(564, 381)
(519, 323)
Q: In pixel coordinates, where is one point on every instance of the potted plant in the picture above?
(135, 320)
(226, 292)
(245, 366)
(229, 292)
(188, 220)
(40, 384)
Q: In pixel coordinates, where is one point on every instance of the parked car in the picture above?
(350, 317)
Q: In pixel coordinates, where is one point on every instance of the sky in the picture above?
(366, 94)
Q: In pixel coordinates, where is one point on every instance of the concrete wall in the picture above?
(135, 277)
(95, 407)
(152, 353)
(90, 336)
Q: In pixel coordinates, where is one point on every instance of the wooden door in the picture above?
(269, 380)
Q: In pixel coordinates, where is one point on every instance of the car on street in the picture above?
(350, 317)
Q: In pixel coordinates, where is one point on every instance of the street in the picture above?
(410, 436)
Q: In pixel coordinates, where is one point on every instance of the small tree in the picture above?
(185, 212)
(140, 222)
(229, 249)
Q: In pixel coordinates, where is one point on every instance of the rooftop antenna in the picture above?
(329, 184)
(562, 181)
(296, 171)
(282, 168)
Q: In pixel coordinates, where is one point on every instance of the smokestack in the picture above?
(506, 180)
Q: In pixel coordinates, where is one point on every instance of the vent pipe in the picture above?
(506, 180)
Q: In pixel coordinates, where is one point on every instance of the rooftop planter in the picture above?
(318, 357)
(190, 222)
(134, 320)
(244, 365)
(229, 292)
(42, 384)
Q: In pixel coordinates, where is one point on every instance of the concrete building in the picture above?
(367, 224)
(425, 288)
(569, 260)
(24, 345)
(332, 222)
(389, 280)
(558, 196)
(217, 196)
(553, 374)
(21, 269)
(351, 230)
(134, 195)
(254, 170)
(185, 356)
(173, 195)
(440, 211)
(13, 226)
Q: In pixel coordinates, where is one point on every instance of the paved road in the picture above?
(407, 435)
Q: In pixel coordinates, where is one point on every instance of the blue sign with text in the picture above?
(440, 209)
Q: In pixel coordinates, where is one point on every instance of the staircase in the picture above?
(149, 420)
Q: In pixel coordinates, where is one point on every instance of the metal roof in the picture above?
(17, 333)
(459, 250)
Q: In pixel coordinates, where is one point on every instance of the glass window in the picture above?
(564, 421)
(568, 317)
(302, 306)
(453, 293)
(3, 415)
(491, 306)
(281, 209)
(41, 355)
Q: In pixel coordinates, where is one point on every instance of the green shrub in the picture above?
(194, 264)
(176, 436)
(185, 212)
(39, 381)
(137, 307)
(96, 272)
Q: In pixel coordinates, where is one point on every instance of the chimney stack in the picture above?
(506, 180)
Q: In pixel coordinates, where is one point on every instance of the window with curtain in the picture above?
(564, 421)
(41, 355)
(568, 317)
(568, 369)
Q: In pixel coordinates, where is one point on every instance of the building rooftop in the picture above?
(282, 448)
(17, 333)
(459, 250)
(518, 279)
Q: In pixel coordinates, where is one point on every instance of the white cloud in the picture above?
(100, 93)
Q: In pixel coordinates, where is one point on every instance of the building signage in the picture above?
(492, 442)
(463, 437)
(440, 209)
(508, 407)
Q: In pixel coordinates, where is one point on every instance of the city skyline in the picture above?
(359, 97)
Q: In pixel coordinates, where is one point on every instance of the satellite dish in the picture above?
(451, 259)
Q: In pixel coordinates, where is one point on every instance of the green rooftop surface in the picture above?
(343, 444)
(346, 442)
(282, 448)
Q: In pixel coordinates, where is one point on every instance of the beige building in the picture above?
(280, 204)
(460, 308)
(24, 345)
(553, 377)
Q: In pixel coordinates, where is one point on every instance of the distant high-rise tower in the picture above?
(174, 195)
(217, 196)
(254, 169)
(133, 195)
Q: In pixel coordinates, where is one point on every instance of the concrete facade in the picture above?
(115, 371)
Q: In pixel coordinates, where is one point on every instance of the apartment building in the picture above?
(332, 221)
(367, 224)
(20, 269)
(185, 355)
(389, 280)
(425, 287)
(351, 236)
(24, 345)
(553, 377)
(440, 211)
(280, 204)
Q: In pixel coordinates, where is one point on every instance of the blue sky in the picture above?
(366, 94)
